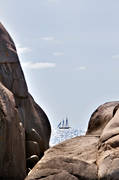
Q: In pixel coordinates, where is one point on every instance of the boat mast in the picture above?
(63, 123)
(67, 124)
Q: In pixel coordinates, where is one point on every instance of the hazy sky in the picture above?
(69, 51)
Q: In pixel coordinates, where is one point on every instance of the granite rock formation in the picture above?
(24, 127)
(25, 132)
(94, 156)
(12, 138)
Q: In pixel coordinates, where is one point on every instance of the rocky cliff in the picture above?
(24, 127)
(91, 157)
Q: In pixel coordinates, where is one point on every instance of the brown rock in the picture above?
(29, 116)
(12, 139)
(108, 154)
(102, 115)
(32, 160)
(33, 148)
(7, 48)
(73, 159)
(90, 157)
(11, 74)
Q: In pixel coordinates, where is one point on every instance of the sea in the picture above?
(60, 135)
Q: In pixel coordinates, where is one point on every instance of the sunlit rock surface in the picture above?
(94, 156)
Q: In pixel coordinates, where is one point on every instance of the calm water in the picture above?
(59, 135)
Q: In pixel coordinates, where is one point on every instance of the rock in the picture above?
(11, 74)
(32, 160)
(102, 115)
(26, 115)
(72, 159)
(33, 148)
(12, 139)
(91, 157)
(108, 154)
(7, 48)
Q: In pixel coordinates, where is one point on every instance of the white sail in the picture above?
(64, 124)
(59, 125)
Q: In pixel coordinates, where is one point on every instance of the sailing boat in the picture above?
(64, 124)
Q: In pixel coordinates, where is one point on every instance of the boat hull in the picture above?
(64, 127)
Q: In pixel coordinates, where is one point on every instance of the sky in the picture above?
(69, 51)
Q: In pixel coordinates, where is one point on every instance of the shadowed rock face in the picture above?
(24, 129)
(11, 74)
(12, 138)
(91, 157)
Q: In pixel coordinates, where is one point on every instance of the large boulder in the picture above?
(101, 116)
(108, 150)
(26, 114)
(72, 159)
(90, 157)
(12, 138)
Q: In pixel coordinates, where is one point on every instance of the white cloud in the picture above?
(53, 1)
(51, 39)
(48, 38)
(38, 65)
(22, 50)
(58, 54)
(81, 68)
(115, 56)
